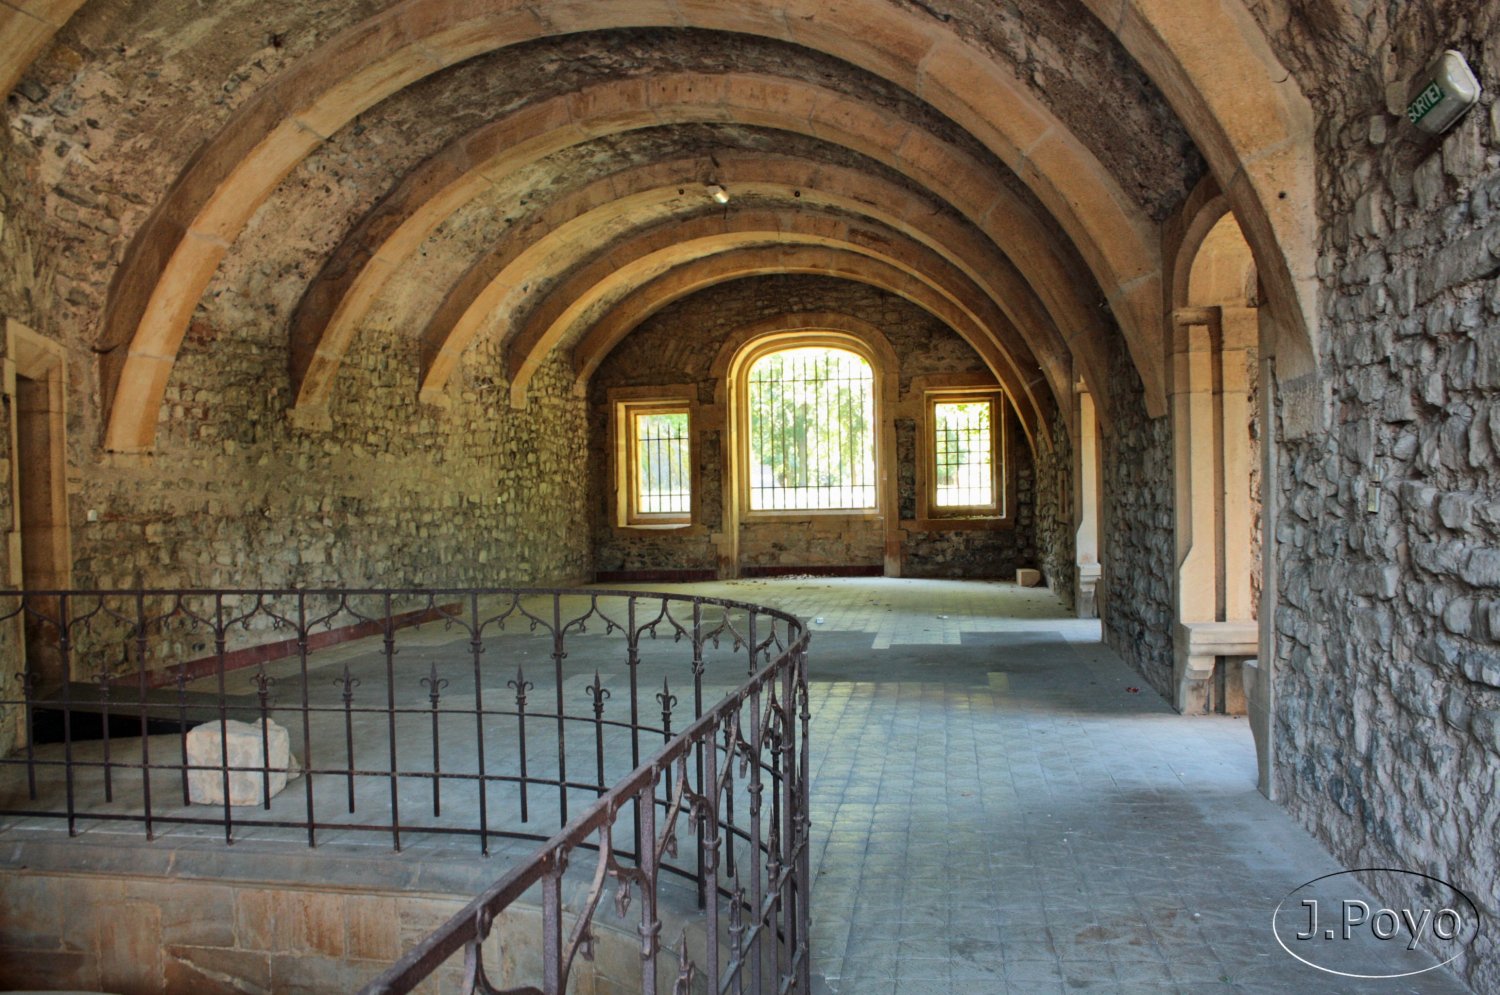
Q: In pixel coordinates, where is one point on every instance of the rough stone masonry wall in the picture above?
(1055, 535)
(1135, 531)
(678, 346)
(1388, 655)
(25, 286)
(396, 494)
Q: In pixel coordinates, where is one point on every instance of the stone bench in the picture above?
(1197, 649)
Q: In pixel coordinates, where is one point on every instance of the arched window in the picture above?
(809, 428)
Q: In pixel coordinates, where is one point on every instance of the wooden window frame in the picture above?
(930, 516)
(624, 412)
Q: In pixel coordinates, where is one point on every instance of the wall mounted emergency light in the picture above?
(1445, 91)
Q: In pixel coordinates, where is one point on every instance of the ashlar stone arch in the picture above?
(591, 216)
(357, 270)
(593, 289)
(704, 272)
(175, 253)
(1248, 116)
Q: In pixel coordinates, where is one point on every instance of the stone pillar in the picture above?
(1260, 693)
(1239, 330)
(1195, 461)
(39, 552)
(1086, 506)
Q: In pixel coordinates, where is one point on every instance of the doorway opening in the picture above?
(39, 548)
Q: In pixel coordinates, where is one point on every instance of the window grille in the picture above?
(811, 431)
(661, 457)
(964, 454)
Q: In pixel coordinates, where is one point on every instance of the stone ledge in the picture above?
(257, 916)
(1197, 649)
(1235, 638)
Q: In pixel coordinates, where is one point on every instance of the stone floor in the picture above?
(1000, 805)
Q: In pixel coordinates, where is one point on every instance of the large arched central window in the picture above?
(810, 431)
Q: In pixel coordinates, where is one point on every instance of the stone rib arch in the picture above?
(27, 27)
(499, 281)
(1205, 207)
(619, 268)
(1248, 116)
(177, 250)
(768, 260)
(1223, 269)
(356, 272)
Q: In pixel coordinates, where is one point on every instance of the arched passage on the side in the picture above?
(1215, 328)
(1254, 125)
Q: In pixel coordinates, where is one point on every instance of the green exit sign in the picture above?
(1448, 88)
(1430, 97)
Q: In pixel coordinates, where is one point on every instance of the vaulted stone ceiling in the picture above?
(538, 177)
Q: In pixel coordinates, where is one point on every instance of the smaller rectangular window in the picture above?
(655, 463)
(966, 454)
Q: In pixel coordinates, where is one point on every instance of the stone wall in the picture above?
(1056, 532)
(1388, 623)
(1135, 531)
(394, 493)
(219, 934)
(25, 287)
(678, 347)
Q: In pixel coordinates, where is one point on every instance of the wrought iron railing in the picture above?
(442, 714)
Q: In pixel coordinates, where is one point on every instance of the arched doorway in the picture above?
(1213, 383)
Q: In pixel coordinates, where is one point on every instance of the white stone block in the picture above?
(1027, 577)
(247, 751)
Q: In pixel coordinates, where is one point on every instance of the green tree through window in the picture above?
(812, 431)
(654, 462)
(964, 454)
(661, 446)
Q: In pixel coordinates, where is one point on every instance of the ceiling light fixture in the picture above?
(718, 193)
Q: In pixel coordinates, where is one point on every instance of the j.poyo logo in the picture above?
(1420, 924)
